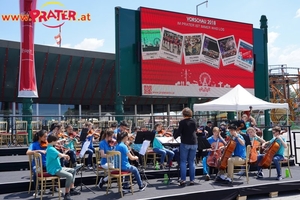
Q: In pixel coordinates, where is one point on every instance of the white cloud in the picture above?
(91, 44)
(297, 13)
(290, 57)
(272, 50)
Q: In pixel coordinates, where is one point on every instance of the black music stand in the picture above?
(84, 133)
(203, 143)
(140, 137)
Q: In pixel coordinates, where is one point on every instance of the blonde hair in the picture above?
(251, 128)
(216, 129)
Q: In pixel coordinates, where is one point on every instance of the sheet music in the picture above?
(168, 140)
(144, 147)
(84, 148)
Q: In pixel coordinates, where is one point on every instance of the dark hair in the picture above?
(52, 138)
(187, 112)
(121, 136)
(55, 125)
(114, 125)
(157, 125)
(123, 123)
(38, 135)
(232, 127)
(69, 126)
(106, 133)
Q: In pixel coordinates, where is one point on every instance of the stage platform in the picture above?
(201, 190)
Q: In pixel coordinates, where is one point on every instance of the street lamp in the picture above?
(200, 5)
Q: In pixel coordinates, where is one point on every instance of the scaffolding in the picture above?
(284, 80)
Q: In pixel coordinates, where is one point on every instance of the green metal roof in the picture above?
(67, 76)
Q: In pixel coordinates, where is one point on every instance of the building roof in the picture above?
(67, 76)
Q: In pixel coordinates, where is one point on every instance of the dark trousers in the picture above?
(90, 152)
(72, 154)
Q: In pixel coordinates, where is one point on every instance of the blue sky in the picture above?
(98, 35)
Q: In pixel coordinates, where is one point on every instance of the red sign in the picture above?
(194, 56)
(27, 78)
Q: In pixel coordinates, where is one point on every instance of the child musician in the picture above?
(278, 156)
(91, 149)
(54, 168)
(104, 147)
(39, 145)
(214, 141)
(238, 157)
(158, 148)
(122, 138)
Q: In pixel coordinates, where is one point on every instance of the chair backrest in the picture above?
(248, 151)
(38, 164)
(30, 158)
(114, 161)
(287, 151)
(3, 127)
(97, 154)
(21, 126)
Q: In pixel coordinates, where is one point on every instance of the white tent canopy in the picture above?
(238, 99)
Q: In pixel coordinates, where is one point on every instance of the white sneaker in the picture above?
(241, 173)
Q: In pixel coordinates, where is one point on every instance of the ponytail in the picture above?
(38, 135)
(106, 133)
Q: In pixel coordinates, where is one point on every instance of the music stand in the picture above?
(203, 143)
(149, 135)
(81, 156)
(140, 137)
(84, 133)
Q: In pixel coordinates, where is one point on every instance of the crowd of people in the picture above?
(58, 149)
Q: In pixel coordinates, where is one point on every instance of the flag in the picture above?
(58, 39)
(27, 77)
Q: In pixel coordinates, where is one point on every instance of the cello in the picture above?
(212, 159)
(254, 153)
(229, 149)
(266, 161)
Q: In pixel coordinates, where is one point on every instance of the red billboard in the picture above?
(194, 56)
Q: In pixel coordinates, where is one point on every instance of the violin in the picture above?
(62, 135)
(44, 144)
(74, 135)
(112, 142)
(93, 133)
(165, 133)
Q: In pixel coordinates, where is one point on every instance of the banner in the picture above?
(194, 56)
(27, 77)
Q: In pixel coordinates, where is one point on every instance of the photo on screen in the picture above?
(228, 50)
(210, 53)
(192, 48)
(244, 58)
(151, 39)
(171, 45)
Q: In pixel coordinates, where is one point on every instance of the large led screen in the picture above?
(194, 56)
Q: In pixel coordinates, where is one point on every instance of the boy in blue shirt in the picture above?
(279, 154)
(238, 157)
(54, 167)
(125, 154)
